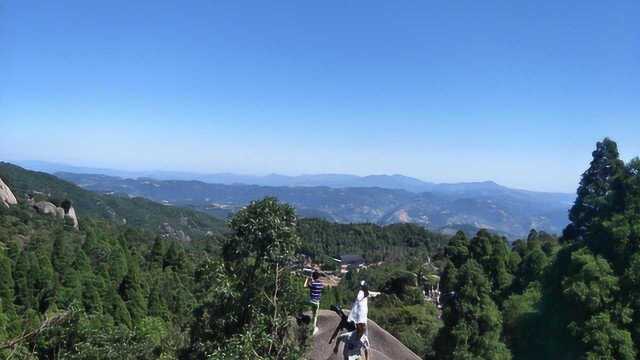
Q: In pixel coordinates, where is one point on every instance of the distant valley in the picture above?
(442, 207)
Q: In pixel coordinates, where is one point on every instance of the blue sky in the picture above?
(516, 92)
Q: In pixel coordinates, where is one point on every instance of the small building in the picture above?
(350, 262)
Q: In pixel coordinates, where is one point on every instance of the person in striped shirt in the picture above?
(315, 293)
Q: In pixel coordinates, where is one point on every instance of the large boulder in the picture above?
(71, 214)
(6, 196)
(47, 208)
(65, 211)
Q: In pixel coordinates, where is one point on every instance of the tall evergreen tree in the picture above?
(132, 293)
(156, 255)
(472, 321)
(6, 280)
(24, 281)
(116, 307)
(174, 257)
(599, 190)
(492, 252)
(457, 250)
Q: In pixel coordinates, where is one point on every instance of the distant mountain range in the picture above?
(329, 180)
(349, 199)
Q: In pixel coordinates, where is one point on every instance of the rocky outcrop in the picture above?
(47, 208)
(71, 215)
(168, 232)
(65, 212)
(383, 345)
(6, 196)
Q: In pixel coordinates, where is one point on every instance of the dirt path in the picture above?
(383, 345)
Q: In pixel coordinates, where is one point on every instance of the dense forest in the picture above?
(396, 242)
(116, 290)
(575, 298)
(113, 289)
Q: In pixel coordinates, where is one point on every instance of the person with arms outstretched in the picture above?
(360, 309)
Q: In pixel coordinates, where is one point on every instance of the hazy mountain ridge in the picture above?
(481, 205)
(395, 181)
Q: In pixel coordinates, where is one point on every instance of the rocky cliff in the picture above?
(64, 212)
(6, 196)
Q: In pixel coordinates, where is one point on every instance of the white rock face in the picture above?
(71, 214)
(6, 196)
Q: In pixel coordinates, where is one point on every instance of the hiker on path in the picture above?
(315, 292)
(354, 343)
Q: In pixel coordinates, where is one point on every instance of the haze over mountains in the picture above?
(395, 181)
(380, 199)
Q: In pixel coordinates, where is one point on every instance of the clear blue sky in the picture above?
(512, 91)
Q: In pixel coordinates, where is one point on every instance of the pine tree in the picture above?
(156, 255)
(4, 320)
(43, 274)
(457, 250)
(92, 288)
(531, 268)
(62, 255)
(118, 266)
(174, 257)
(157, 305)
(590, 284)
(115, 306)
(599, 192)
(493, 254)
(603, 339)
(132, 293)
(472, 321)
(23, 279)
(6, 280)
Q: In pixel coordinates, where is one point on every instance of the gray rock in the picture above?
(6, 196)
(47, 208)
(71, 214)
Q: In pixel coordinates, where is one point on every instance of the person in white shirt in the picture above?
(360, 309)
(354, 343)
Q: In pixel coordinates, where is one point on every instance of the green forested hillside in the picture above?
(576, 298)
(114, 291)
(323, 239)
(137, 212)
(109, 291)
